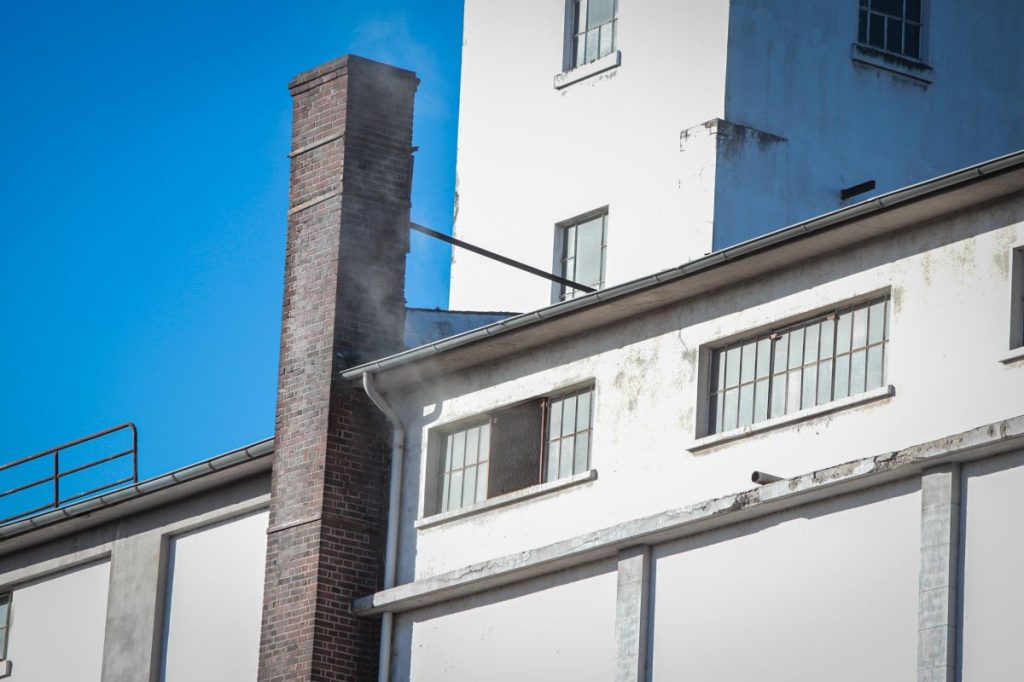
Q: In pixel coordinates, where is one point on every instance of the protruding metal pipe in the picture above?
(761, 478)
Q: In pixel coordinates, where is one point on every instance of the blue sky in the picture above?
(143, 192)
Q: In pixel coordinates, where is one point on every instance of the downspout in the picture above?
(394, 507)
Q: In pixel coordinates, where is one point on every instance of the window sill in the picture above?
(1013, 356)
(5, 667)
(887, 61)
(506, 499)
(802, 415)
(605, 63)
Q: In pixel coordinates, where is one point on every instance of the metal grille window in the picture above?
(514, 448)
(570, 421)
(811, 363)
(584, 243)
(5, 622)
(464, 469)
(891, 25)
(593, 30)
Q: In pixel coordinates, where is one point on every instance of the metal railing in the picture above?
(56, 499)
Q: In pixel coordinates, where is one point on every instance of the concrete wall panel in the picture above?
(993, 556)
(57, 626)
(828, 591)
(214, 602)
(561, 627)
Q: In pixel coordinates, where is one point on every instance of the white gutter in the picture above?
(394, 509)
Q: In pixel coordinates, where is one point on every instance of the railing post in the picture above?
(56, 478)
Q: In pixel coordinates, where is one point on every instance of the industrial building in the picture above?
(766, 418)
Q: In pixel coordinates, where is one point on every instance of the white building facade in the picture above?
(694, 126)
(892, 429)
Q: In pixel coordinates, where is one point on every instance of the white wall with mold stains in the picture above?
(794, 114)
(950, 288)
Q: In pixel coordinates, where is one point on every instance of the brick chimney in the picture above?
(348, 234)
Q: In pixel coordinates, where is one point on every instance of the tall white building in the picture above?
(685, 127)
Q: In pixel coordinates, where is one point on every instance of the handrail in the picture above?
(57, 473)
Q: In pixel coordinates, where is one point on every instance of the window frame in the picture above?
(575, 9)
(1017, 298)
(6, 596)
(561, 292)
(706, 382)
(431, 506)
(922, 23)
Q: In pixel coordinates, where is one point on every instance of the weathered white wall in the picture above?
(993, 597)
(214, 602)
(633, 138)
(827, 591)
(531, 156)
(57, 626)
(790, 73)
(950, 327)
(561, 627)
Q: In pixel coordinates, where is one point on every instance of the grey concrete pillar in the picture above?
(940, 551)
(132, 644)
(631, 613)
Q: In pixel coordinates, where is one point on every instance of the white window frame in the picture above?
(561, 292)
(438, 438)
(707, 433)
(1016, 351)
(6, 600)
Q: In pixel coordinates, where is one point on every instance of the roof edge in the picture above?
(228, 460)
(865, 208)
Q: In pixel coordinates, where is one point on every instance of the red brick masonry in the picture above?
(348, 234)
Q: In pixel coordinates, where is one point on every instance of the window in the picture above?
(891, 25)
(1017, 298)
(510, 449)
(827, 358)
(593, 30)
(583, 243)
(5, 622)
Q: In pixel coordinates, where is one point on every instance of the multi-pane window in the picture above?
(513, 448)
(593, 30)
(5, 622)
(814, 362)
(464, 470)
(583, 247)
(568, 437)
(891, 25)
(1017, 296)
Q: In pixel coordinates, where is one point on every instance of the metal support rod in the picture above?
(501, 259)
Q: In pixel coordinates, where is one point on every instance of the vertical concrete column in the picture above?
(132, 650)
(631, 613)
(348, 234)
(940, 552)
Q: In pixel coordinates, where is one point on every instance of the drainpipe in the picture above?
(394, 507)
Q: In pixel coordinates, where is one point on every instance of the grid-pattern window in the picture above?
(593, 30)
(811, 363)
(464, 467)
(1017, 299)
(891, 25)
(584, 244)
(570, 419)
(5, 622)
